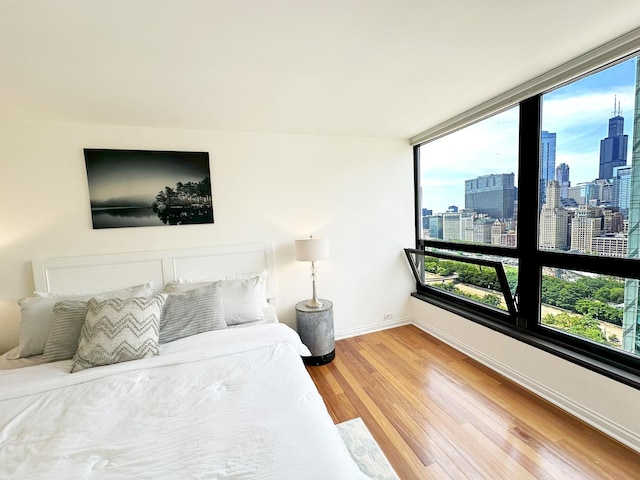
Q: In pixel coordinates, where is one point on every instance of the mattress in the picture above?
(226, 404)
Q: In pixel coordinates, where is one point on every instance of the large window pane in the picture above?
(586, 170)
(468, 183)
(594, 307)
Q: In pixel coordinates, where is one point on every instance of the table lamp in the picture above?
(311, 250)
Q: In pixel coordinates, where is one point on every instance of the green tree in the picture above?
(581, 326)
(492, 300)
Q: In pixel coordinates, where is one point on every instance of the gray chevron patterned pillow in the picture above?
(118, 330)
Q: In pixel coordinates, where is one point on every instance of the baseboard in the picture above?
(597, 421)
(354, 332)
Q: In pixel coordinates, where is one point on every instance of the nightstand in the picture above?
(315, 327)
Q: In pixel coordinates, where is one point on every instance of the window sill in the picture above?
(564, 351)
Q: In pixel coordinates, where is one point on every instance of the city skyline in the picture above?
(577, 113)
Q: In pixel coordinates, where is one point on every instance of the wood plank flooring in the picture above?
(438, 414)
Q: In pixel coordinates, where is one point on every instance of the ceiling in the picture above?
(329, 67)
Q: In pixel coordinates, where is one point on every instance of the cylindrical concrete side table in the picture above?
(315, 327)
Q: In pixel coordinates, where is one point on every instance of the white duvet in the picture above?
(228, 404)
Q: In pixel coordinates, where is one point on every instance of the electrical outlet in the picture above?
(388, 316)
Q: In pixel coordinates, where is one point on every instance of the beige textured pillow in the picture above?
(118, 330)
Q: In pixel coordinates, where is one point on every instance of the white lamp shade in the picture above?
(312, 249)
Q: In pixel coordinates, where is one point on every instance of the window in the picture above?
(528, 219)
(469, 194)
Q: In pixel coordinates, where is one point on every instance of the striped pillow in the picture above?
(244, 297)
(65, 330)
(118, 330)
(196, 311)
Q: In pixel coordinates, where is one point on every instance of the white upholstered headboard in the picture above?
(119, 270)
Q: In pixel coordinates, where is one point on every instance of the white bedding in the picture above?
(226, 404)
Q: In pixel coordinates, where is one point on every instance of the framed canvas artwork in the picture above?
(142, 188)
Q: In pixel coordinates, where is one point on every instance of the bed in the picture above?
(229, 402)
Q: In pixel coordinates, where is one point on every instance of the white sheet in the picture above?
(235, 403)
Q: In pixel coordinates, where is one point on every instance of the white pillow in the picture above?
(37, 315)
(244, 297)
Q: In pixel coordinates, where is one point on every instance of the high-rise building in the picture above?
(482, 229)
(562, 176)
(585, 193)
(622, 188)
(631, 315)
(586, 225)
(611, 245)
(613, 148)
(605, 195)
(497, 230)
(458, 225)
(492, 195)
(426, 214)
(451, 226)
(554, 220)
(547, 162)
(432, 226)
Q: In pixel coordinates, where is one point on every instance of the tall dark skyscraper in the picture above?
(613, 149)
(493, 195)
(547, 162)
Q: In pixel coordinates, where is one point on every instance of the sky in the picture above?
(578, 113)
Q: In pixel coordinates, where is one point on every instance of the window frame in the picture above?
(618, 365)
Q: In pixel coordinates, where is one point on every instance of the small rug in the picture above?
(365, 451)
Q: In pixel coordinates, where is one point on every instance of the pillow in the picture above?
(196, 311)
(244, 297)
(37, 315)
(65, 330)
(118, 330)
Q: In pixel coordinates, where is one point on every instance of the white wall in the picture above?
(604, 403)
(266, 187)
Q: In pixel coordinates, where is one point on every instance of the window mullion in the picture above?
(529, 270)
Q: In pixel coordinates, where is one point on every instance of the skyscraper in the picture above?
(547, 162)
(492, 195)
(562, 176)
(613, 148)
(631, 315)
(586, 225)
(554, 220)
(622, 188)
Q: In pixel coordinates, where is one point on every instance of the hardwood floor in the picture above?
(438, 414)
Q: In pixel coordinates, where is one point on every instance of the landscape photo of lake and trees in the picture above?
(143, 188)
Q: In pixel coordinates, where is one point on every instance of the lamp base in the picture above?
(314, 303)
